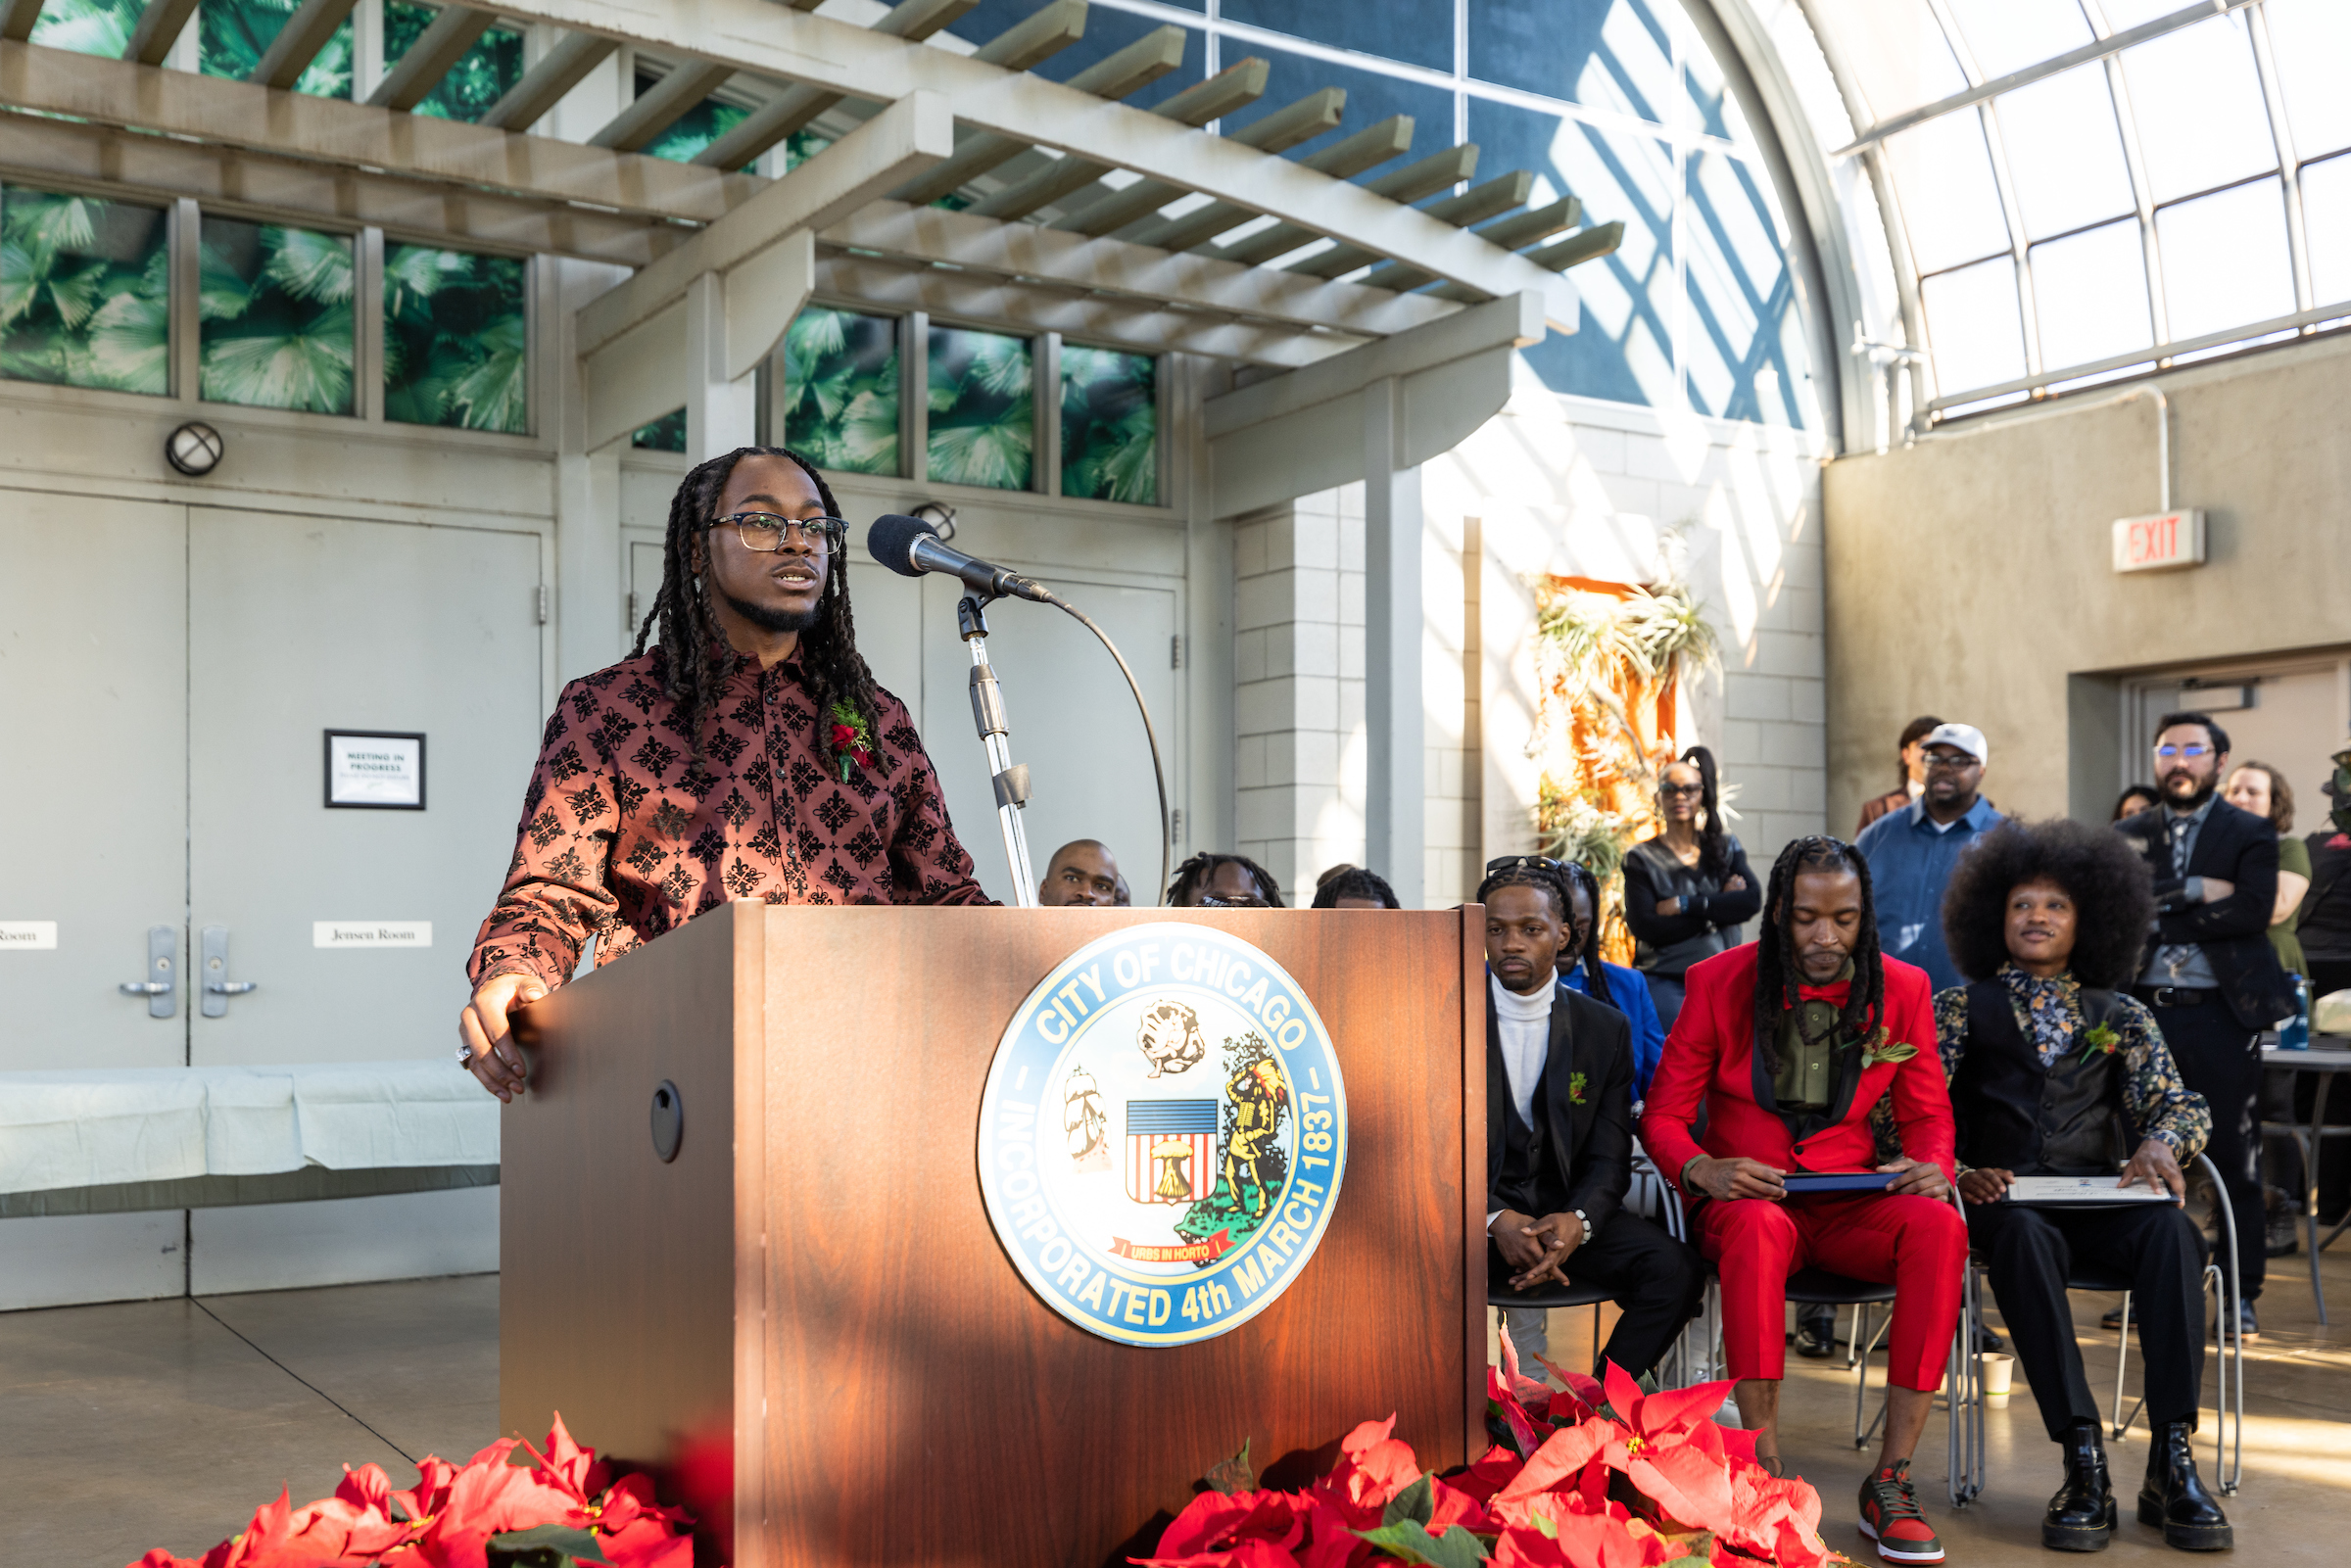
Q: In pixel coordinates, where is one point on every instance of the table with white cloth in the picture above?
(117, 1140)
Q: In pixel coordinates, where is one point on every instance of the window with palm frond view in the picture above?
(482, 75)
(1108, 425)
(85, 294)
(456, 339)
(841, 396)
(275, 325)
(232, 36)
(983, 409)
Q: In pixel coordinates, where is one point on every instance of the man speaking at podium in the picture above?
(747, 755)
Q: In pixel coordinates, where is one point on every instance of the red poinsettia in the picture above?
(446, 1520)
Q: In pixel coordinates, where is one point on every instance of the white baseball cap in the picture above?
(1966, 737)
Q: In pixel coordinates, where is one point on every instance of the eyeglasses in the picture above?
(1681, 789)
(2191, 750)
(1949, 764)
(1495, 868)
(764, 531)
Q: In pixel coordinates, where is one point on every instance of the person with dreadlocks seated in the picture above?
(1785, 1046)
(1224, 881)
(2055, 1073)
(747, 755)
(1583, 971)
(1559, 1132)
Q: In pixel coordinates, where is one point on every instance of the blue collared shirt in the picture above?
(1628, 994)
(1910, 859)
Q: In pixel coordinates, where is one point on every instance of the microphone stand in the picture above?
(1011, 778)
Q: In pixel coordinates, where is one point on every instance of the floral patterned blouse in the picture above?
(2157, 1101)
(622, 838)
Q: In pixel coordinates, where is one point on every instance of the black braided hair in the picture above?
(1194, 874)
(1353, 882)
(1552, 876)
(693, 646)
(1713, 844)
(1595, 977)
(1776, 976)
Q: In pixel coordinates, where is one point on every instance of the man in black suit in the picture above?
(2211, 976)
(1560, 1134)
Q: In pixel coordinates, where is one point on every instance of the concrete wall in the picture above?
(1552, 484)
(1969, 575)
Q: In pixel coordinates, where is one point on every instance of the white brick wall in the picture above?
(1552, 485)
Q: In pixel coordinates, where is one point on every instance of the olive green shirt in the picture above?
(1807, 1076)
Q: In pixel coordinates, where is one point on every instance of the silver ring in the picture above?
(466, 1056)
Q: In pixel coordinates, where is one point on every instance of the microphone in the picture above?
(910, 547)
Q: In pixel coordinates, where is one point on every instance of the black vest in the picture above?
(1530, 1181)
(2015, 1115)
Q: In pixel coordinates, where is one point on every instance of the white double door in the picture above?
(167, 677)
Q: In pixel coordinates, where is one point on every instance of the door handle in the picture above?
(218, 987)
(162, 941)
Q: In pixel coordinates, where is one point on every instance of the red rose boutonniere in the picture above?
(852, 739)
(1575, 1088)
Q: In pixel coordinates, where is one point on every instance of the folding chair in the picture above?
(1645, 1197)
(2228, 1366)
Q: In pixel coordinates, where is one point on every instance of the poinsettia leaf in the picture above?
(1408, 1541)
(1416, 1502)
(563, 1544)
(1233, 1475)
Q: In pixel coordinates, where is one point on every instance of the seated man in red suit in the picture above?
(1786, 1045)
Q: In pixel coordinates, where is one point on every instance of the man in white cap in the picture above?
(1911, 851)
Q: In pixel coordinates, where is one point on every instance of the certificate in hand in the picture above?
(1799, 1182)
(2032, 1190)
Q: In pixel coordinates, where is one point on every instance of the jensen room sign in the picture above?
(1162, 1134)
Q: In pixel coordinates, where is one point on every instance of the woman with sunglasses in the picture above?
(1687, 890)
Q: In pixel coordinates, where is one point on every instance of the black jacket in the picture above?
(1591, 1144)
(2239, 848)
(1670, 943)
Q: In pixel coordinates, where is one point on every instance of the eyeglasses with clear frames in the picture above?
(765, 532)
(2191, 750)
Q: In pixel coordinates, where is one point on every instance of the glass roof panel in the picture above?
(2064, 150)
(2121, 14)
(2198, 107)
(2224, 259)
(1974, 326)
(2006, 35)
(2311, 39)
(2327, 225)
(1893, 52)
(2090, 295)
(1943, 181)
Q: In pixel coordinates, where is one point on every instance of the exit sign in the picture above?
(2159, 544)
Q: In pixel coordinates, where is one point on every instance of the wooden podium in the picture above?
(815, 1272)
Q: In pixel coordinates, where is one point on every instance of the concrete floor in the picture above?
(163, 1423)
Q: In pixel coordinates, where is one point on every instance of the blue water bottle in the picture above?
(2294, 1033)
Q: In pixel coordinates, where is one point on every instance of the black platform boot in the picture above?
(2174, 1496)
(2082, 1516)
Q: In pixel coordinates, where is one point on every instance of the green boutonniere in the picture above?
(1882, 1048)
(2099, 1040)
(853, 738)
(1575, 1088)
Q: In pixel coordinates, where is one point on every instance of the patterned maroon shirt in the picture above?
(623, 840)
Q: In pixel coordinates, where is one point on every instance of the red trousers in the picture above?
(1918, 1245)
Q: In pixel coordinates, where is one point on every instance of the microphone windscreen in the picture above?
(890, 541)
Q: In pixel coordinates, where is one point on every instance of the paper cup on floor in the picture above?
(1998, 1372)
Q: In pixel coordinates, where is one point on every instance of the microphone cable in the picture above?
(1159, 772)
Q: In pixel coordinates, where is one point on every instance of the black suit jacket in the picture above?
(1592, 1142)
(2240, 848)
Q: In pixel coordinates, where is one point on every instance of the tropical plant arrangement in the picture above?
(456, 341)
(85, 294)
(274, 310)
(1592, 1477)
(841, 398)
(563, 1508)
(983, 409)
(1108, 425)
(1609, 661)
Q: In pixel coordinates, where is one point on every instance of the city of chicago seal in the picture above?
(1162, 1134)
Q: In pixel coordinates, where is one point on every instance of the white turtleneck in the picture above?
(1523, 1024)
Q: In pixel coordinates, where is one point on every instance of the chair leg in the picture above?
(2122, 1362)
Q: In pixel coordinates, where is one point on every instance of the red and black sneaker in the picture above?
(1891, 1517)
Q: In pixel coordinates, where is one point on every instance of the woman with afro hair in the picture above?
(2054, 1071)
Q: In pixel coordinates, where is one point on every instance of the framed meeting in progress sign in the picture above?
(375, 770)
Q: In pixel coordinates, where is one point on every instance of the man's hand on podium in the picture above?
(483, 1030)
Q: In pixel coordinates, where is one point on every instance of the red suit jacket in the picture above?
(1710, 1059)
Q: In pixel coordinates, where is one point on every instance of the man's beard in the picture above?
(767, 619)
(2203, 793)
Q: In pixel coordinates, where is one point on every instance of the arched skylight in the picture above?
(2082, 190)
